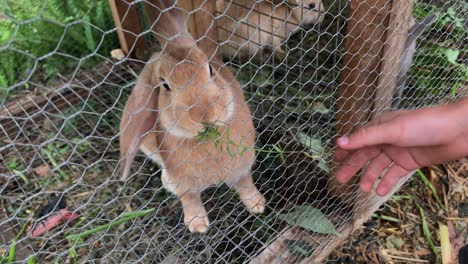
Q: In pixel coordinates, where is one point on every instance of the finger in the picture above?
(373, 171)
(341, 154)
(367, 136)
(392, 176)
(354, 163)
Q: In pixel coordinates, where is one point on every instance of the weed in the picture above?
(437, 69)
(427, 233)
(126, 217)
(43, 38)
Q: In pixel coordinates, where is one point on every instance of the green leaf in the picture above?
(451, 55)
(310, 218)
(299, 248)
(31, 260)
(280, 152)
(73, 255)
(11, 253)
(323, 165)
(314, 145)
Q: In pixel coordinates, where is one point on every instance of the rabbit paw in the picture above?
(197, 223)
(255, 203)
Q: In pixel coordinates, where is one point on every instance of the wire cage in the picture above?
(304, 83)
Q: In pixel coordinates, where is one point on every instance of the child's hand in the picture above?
(403, 141)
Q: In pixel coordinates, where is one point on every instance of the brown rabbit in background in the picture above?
(246, 27)
(177, 95)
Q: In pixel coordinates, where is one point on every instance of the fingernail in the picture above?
(342, 141)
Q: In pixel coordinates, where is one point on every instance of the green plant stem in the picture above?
(386, 218)
(31, 260)
(22, 230)
(124, 218)
(21, 175)
(54, 163)
(11, 253)
(427, 233)
(431, 187)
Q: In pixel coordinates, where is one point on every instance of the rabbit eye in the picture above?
(166, 86)
(312, 6)
(211, 71)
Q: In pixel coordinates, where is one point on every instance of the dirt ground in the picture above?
(396, 232)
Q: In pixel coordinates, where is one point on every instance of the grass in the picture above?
(431, 187)
(42, 38)
(12, 251)
(427, 233)
(438, 68)
(126, 217)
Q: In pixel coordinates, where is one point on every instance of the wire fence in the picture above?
(62, 100)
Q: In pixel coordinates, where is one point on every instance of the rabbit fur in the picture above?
(176, 94)
(246, 27)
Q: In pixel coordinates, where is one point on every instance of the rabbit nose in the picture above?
(312, 6)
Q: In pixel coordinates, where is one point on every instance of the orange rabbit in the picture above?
(178, 94)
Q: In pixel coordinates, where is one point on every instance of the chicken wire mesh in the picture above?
(61, 112)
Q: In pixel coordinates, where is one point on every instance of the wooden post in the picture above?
(127, 22)
(374, 44)
(396, 35)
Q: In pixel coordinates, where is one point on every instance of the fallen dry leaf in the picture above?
(117, 54)
(42, 171)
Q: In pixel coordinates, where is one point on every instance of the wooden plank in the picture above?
(364, 47)
(127, 21)
(396, 35)
(376, 33)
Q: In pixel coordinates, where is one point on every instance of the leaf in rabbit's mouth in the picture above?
(210, 132)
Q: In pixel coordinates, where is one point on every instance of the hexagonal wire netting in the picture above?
(62, 99)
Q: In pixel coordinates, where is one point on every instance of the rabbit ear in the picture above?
(139, 117)
(169, 23)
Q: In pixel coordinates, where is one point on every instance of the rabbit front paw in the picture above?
(197, 223)
(255, 203)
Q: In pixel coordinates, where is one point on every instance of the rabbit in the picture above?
(415, 30)
(247, 27)
(176, 95)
